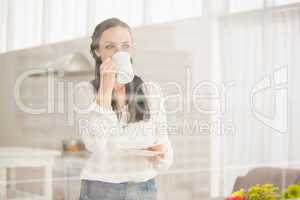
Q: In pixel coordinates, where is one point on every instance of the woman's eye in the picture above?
(109, 46)
(126, 46)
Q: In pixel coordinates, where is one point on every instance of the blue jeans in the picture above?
(98, 190)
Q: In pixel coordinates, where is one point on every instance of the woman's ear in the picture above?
(97, 53)
(132, 55)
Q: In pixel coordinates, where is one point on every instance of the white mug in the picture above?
(124, 67)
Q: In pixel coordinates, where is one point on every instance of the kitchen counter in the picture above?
(15, 157)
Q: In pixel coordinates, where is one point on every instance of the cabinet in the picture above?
(18, 157)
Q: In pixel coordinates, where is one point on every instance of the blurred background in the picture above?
(233, 108)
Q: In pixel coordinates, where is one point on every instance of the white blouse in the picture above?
(108, 138)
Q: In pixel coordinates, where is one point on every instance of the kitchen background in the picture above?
(227, 46)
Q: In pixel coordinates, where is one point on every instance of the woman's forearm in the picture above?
(104, 98)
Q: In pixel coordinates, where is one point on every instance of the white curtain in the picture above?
(27, 23)
(240, 5)
(260, 53)
(168, 10)
(246, 5)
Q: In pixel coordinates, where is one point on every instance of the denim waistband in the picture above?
(152, 180)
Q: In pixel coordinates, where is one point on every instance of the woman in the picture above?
(117, 124)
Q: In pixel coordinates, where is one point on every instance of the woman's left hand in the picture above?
(156, 159)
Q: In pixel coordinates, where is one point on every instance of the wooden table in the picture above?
(14, 157)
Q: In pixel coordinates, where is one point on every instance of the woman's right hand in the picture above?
(155, 160)
(107, 82)
(107, 75)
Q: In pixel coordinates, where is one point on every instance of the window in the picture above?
(247, 5)
(284, 2)
(31, 23)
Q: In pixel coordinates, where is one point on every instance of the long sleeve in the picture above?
(102, 132)
(105, 137)
(163, 138)
(160, 120)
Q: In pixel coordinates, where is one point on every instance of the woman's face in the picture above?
(113, 40)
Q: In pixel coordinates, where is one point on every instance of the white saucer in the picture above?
(141, 152)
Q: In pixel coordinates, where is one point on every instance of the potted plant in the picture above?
(292, 192)
(258, 192)
(266, 192)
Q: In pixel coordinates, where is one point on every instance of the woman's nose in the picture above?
(119, 48)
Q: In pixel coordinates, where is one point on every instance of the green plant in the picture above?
(258, 192)
(263, 192)
(292, 192)
(266, 192)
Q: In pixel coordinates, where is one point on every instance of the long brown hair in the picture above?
(137, 103)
